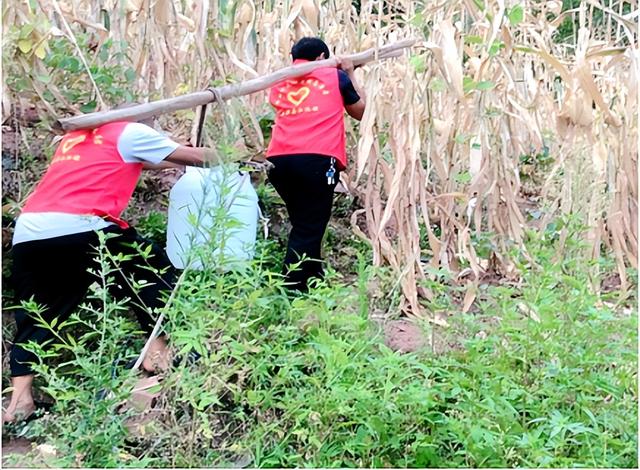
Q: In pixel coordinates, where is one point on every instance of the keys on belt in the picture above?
(331, 172)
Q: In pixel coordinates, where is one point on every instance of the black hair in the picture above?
(309, 49)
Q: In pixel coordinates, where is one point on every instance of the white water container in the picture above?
(202, 198)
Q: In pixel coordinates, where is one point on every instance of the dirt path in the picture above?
(17, 446)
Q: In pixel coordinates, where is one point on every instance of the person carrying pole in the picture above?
(85, 189)
(308, 152)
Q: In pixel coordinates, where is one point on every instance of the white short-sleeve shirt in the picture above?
(138, 143)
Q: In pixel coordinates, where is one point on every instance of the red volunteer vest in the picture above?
(87, 176)
(309, 116)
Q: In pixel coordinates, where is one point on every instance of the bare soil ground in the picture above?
(12, 447)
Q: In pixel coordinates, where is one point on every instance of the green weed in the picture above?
(543, 375)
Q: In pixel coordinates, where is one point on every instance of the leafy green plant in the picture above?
(78, 370)
(153, 226)
(58, 75)
(543, 375)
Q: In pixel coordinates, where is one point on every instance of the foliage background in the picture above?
(492, 198)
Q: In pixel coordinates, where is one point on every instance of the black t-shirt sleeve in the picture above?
(348, 92)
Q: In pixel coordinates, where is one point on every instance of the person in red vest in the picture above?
(307, 150)
(85, 189)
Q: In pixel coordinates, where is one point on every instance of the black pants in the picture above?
(301, 181)
(55, 273)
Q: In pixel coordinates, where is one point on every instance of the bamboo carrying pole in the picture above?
(191, 100)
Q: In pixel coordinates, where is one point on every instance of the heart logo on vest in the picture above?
(69, 143)
(297, 97)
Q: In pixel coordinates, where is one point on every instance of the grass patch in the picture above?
(307, 381)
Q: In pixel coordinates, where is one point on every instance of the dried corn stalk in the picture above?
(439, 153)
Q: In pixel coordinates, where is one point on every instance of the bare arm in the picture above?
(163, 165)
(196, 156)
(355, 110)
